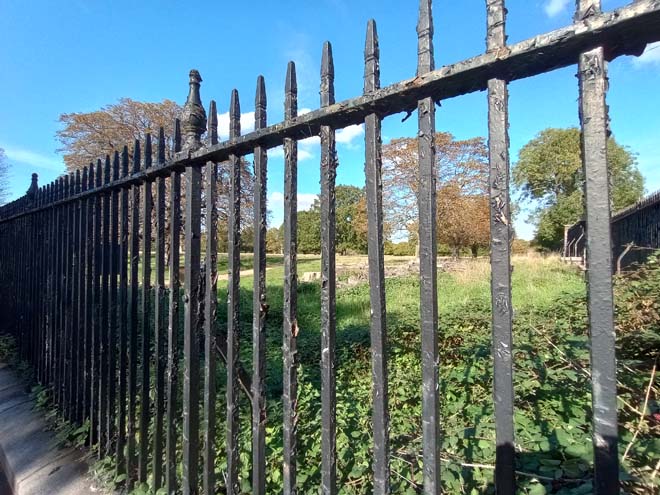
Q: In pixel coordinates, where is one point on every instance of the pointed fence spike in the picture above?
(124, 162)
(148, 152)
(327, 76)
(99, 173)
(213, 123)
(425, 61)
(161, 146)
(260, 104)
(234, 116)
(115, 166)
(136, 156)
(106, 170)
(291, 92)
(177, 135)
(371, 59)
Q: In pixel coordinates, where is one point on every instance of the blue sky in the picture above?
(78, 55)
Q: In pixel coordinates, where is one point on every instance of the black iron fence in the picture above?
(75, 262)
(636, 231)
(635, 234)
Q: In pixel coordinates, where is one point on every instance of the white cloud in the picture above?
(651, 55)
(348, 134)
(247, 124)
(33, 159)
(279, 153)
(555, 7)
(303, 111)
(305, 200)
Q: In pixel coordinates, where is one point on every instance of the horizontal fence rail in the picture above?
(133, 353)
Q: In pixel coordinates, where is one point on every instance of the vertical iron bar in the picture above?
(123, 317)
(210, 302)
(105, 315)
(133, 321)
(374, 187)
(113, 321)
(75, 297)
(328, 283)
(98, 329)
(259, 306)
(173, 321)
(61, 306)
(290, 305)
(89, 299)
(428, 259)
(500, 257)
(233, 292)
(146, 318)
(592, 73)
(159, 319)
(82, 302)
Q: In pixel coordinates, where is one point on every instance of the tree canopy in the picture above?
(351, 223)
(462, 189)
(88, 136)
(549, 174)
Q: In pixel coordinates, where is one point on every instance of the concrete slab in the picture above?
(30, 459)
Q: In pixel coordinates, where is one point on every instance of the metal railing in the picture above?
(72, 252)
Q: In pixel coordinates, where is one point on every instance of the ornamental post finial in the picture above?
(193, 117)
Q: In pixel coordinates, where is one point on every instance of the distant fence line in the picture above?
(635, 234)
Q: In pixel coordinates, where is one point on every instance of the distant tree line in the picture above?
(547, 176)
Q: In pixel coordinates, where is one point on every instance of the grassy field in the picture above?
(552, 387)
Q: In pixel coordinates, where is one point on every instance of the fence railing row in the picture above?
(635, 234)
(103, 331)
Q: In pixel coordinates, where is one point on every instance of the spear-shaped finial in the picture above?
(34, 186)
(234, 115)
(115, 166)
(213, 123)
(260, 104)
(193, 116)
(161, 146)
(136, 156)
(371, 59)
(290, 92)
(85, 179)
(327, 76)
(124, 161)
(147, 152)
(107, 170)
(425, 62)
(99, 173)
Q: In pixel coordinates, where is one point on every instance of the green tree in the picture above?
(274, 240)
(351, 226)
(309, 230)
(549, 174)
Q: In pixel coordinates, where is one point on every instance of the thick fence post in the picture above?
(194, 125)
(500, 258)
(290, 303)
(259, 305)
(374, 188)
(592, 74)
(328, 283)
(428, 259)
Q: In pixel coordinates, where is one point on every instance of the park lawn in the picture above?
(552, 417)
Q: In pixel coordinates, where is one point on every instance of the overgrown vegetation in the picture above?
(553, 399)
